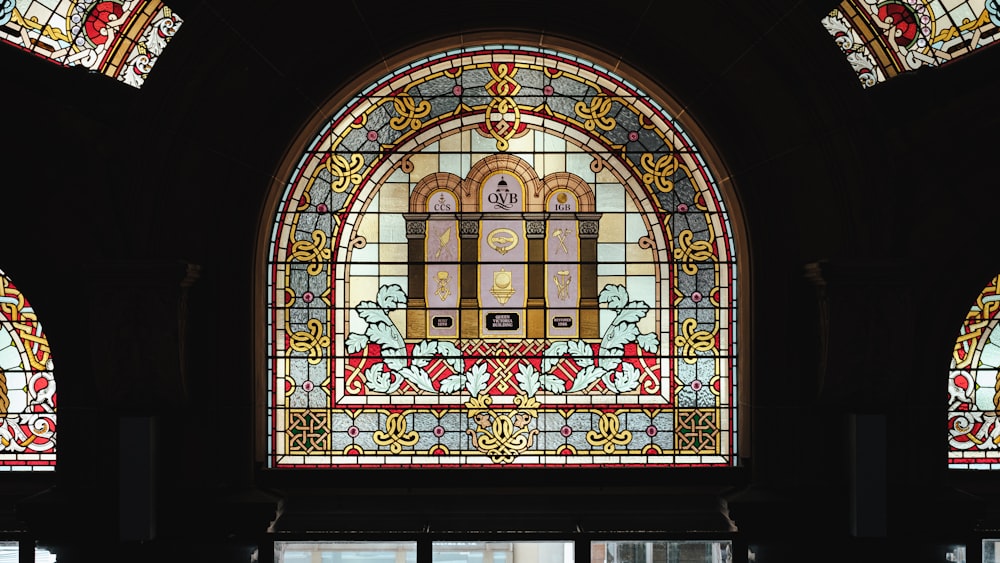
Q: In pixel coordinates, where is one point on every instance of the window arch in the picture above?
(974, 386)
(501, 255)
(27, 387)
(882, 39)
(119, 39)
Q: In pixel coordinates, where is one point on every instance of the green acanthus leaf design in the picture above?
(622, 381)
(649, 343)
(418, 378)
(527, 379)
(452, 383)
(615, 296)
(452, 355)
(423, 351)
(585, 378)
(381, 381)
(476, 379)
(553, 384)
(356, 342)
(390, 297)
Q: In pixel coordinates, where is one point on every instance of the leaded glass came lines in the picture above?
(501, 256)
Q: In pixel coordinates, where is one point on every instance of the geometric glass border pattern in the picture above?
(121, 39)
(974, 386)
(27, 387)
(882, 39)
(501, 255)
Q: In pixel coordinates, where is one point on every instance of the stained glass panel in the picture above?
(501, 255)
(27, 388)
(121, 39)
(882, 39)
(974, 387)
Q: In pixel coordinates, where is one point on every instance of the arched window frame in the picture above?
(707, 164)
(27, 386)
(974, 386)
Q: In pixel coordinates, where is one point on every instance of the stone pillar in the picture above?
(590, 314)
(416, 305)
(468, 231)
(535, 234)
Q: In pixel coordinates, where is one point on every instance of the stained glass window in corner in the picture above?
(882, 39)
(974, 387)
(121, 39)
(501, 255)
(27, 388)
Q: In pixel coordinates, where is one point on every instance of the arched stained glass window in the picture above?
(27, 388)
(121, 39)
(974, 387)
(501, 255)
(882, 39)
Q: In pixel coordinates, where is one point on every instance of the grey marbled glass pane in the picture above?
(454, 437)
(562, 104)
(474, 78)
(423, 424)
(664, 437)
(442, 105)
(353, 141)
(439, 86)
(627, 120)
(339, 439)
(530, 98)
(686, 372)
(705, 398)
(650, 140)
(686, 398)
(570, 87)
(530, 78)
(636, 422)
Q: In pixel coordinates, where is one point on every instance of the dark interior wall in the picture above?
(109, 192)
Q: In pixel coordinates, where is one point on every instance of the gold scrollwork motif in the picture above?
(503, 87)
(14, 307)
(689, 251)
(315, 251)
(595, 115)
(312, 342)
(975, 321)
(345, 173)
(502, 434)
(659, 172)
(409, 112)
(395, 435)
(609, 433)
(691, 341)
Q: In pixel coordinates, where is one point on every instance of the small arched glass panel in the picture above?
(27, 387)
(501, 255)
(882, 39)
(974, 387)
(121, 39)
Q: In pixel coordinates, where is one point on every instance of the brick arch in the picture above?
(502, 163)
(568, 181)
(430, 183)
